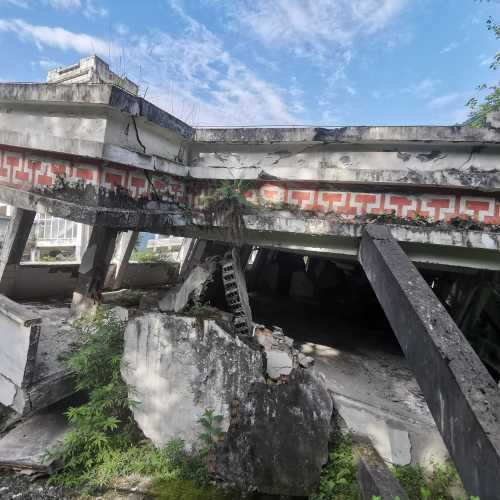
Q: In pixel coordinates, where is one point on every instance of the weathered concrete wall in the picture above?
(462, 397)
(44, 281)
(395, 162)
(177, 367)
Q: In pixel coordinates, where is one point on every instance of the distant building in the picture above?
(91, 69)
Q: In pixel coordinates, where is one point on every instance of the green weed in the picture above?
(338, 479)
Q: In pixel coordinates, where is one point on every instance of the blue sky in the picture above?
(268, 62)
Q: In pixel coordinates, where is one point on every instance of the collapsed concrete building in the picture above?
(315, 214)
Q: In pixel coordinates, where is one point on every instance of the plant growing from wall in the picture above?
(210, 436)
(226, 205)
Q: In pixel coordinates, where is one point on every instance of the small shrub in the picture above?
(338, 478)
(146, 256)
(422, 485)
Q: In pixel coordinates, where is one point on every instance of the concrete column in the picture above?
(460, 393)
(125, 249)
(17, 235)
(93, 268)
(193, 250)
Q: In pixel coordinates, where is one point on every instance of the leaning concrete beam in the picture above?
(14, 243)
(93, 268)
(460, 393)
(374, 477)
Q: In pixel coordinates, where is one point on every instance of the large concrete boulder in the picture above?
(278, 440)
(177, 367)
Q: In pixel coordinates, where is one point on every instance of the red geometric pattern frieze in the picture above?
(27, 171)
(354, 204)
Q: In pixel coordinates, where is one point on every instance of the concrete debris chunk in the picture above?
(177, 367)
(305, 361)
(278, 349)
(34, 339)
(279, 441)
(179, 297)
(25, 447)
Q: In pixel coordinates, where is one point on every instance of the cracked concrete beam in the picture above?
(462, 396)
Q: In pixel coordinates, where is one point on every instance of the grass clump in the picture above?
(338, 478)
(436, 484)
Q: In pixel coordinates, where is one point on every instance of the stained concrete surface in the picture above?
(52, 381)
(374, 389)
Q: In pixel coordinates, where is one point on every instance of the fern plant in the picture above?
(104, 422)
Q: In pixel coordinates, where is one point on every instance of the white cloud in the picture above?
(89, 8)
(485, 60)
(351, 90)
(446, 100)
(313, 28)
(451, 46)
(92, 9)
(46, 64)
(423, 89)
(59, 38)
(64, 4)
(16, 3)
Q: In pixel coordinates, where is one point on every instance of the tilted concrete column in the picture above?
(13, 247)
(93, 268)
(125, 249)
(460, 393)
(192, 250)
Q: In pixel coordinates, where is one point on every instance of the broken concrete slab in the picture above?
(25, 447)
(19, 335)
(32, 373)
(177, 367)
(52, 380)
(278, 441)
(190, 291)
